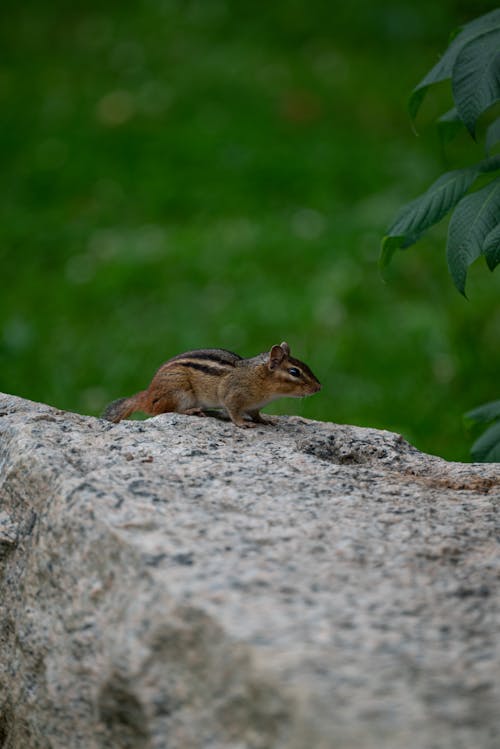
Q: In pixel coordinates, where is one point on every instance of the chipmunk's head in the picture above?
(291, 377)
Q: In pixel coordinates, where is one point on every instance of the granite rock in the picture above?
(180, 583)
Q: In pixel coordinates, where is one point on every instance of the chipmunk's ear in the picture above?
(286, 348)
(276, 356)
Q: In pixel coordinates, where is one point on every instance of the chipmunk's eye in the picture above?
(294, 372)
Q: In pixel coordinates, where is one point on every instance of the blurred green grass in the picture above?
(194, 174)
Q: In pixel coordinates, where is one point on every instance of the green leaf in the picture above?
(486, 449)
(474, 217)
(443, 69)
(492, 135)
(485, 413)
(476, 77)
(417, 96)
(449, 125)
(418, 215)
(425, 211)
(388, 248)
(491, 247)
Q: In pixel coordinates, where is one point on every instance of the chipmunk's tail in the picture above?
(123, 407)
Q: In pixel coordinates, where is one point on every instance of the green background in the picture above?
(182, 175)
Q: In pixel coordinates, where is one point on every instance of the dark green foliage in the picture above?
(472, 62)
(449, 124)
(419, 215)
(476, 77)
(471, 226)
(487, 446)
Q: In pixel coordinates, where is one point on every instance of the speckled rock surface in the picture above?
(183, 584)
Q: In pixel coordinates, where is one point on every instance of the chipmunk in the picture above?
(215, 378)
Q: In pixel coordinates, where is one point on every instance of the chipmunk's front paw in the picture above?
(257, 418)
(243, 424)
(267, 421)
(194, 412)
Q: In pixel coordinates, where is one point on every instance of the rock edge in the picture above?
(182, 583)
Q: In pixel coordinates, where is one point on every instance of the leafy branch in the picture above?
(472, 63)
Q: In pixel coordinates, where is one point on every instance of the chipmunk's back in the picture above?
(211, 357)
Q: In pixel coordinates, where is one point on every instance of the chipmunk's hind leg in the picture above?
(178, 406)
(187, 403)
(161, 404)
(170, 391)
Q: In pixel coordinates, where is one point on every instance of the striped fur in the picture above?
(207, 369)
